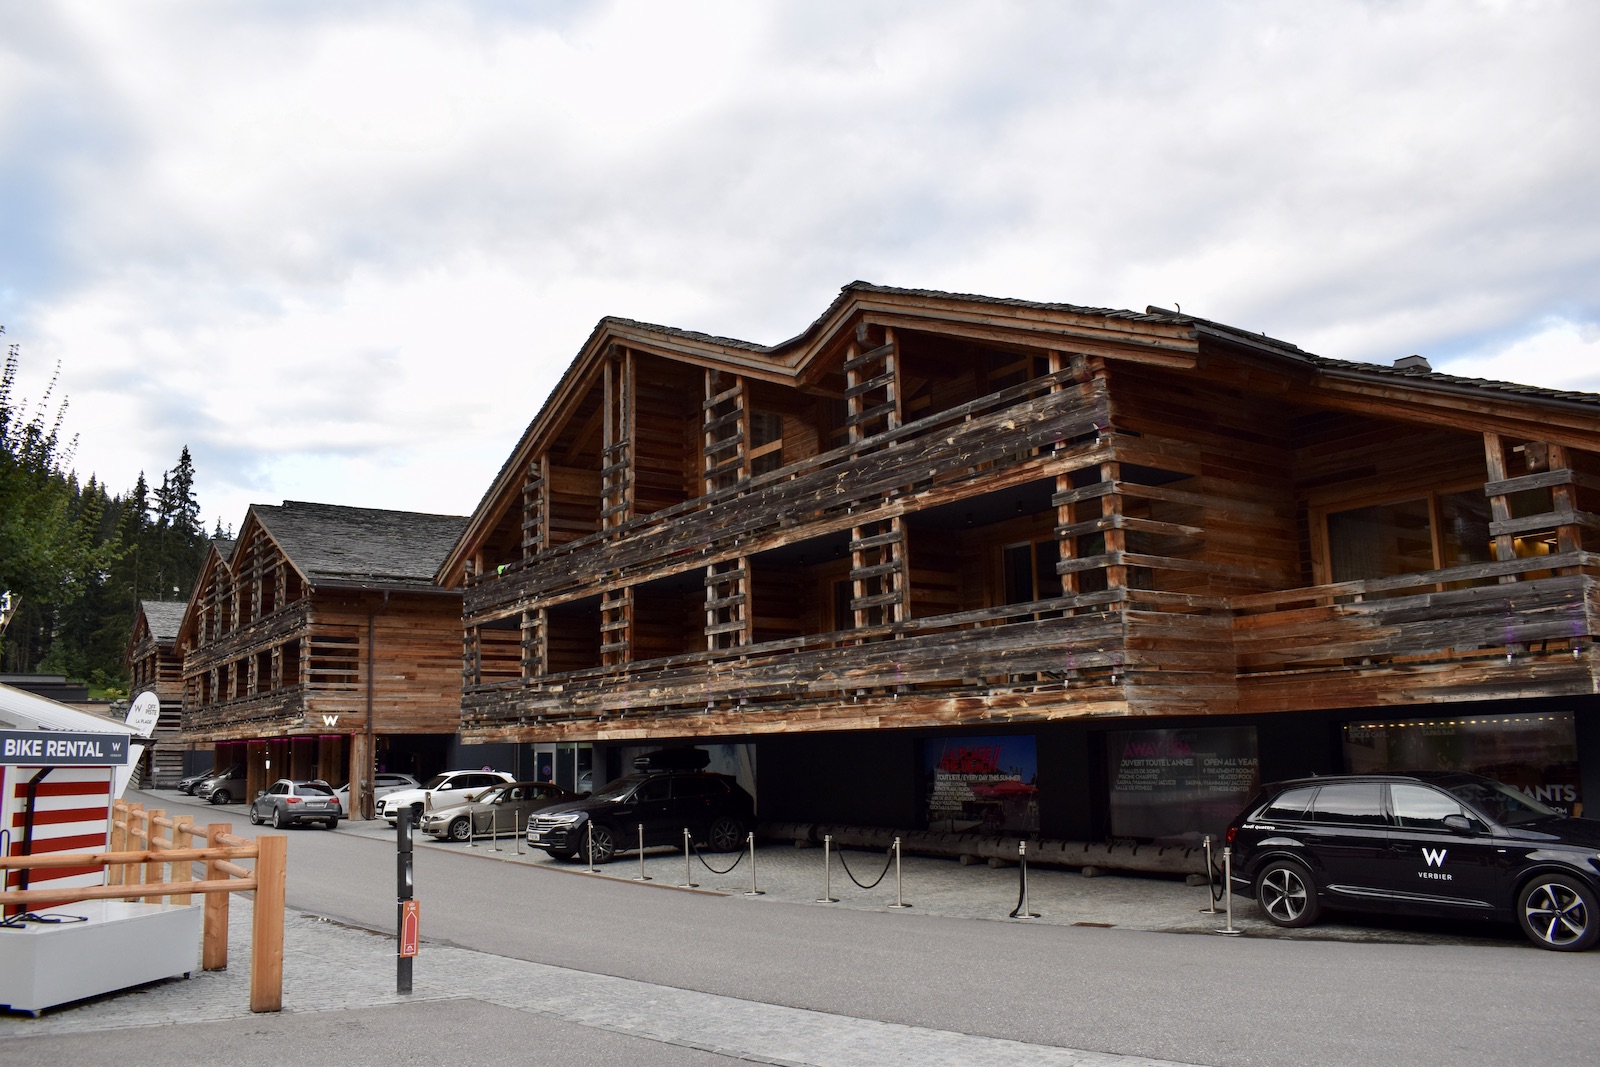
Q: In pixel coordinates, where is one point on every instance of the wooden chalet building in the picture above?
(154, 666)
(318, 646)
(968, 563)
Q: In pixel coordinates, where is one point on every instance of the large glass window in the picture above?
(1407, 536)
(1536, 753)
(1030, 571)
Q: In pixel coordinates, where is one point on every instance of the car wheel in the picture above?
(255, 816)
(221, 796)
(599, 844)
(1288, 894)
(460, 829)
(331, 824)
(1558, 911)
(725, 835)
(277, 818)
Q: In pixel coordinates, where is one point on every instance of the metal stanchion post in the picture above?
(642, 876)
(494, 830)
(750, 838)
(472, 833)
(588, 828)
(899, 901)
(688, 882)
(1023, 910)
(1227, 889)
(827, 896)
(1211, 908)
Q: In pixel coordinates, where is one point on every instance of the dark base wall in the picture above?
(875, 779)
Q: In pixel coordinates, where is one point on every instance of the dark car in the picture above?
(714, 808)
(1439, 844)
(289, 803)
(190, 784)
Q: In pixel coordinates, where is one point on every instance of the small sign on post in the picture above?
(408, 922)
(410, 927)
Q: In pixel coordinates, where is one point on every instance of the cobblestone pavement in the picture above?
(330, 967)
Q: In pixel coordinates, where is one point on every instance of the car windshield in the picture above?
(314, 787)
(1502, 803)
(435, 782)
(489, 796)
(617, 789)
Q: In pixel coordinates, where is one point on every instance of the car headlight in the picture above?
(568, 818)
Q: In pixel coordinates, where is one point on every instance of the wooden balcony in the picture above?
(1488, 631)
(984, 439)
(1523, 628)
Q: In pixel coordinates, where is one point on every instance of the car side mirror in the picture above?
(261, 794)
(1460, 824)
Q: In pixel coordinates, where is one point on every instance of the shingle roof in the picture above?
(165, 617)
(327, 542)
(1150, 315)
(1419, 373)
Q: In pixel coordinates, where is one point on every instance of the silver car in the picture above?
(290, 803)
(499, 810)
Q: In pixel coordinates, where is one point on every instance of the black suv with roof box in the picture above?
(670, 793)
(1440, 844)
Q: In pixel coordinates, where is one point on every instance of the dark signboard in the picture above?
(1537, 753)
(61, 748)
(982, 785)
(1177, 785)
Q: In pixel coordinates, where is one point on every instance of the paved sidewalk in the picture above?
(334, 968)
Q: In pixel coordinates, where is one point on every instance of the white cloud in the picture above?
(342, 251)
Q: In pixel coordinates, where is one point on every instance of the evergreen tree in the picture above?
(76, 560)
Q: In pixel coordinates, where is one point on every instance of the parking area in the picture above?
(781, 871)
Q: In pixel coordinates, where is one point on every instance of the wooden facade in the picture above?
(319, 632)
(156, 666)
(932, 510)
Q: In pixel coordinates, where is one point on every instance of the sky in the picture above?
(343, 251)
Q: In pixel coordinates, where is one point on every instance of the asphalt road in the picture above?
(1193, 999)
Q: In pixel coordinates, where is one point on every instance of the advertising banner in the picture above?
(987, 785)
(1536, 753)
(1178, 785)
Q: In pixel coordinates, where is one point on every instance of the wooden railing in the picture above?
(831, 490)
(142, 864)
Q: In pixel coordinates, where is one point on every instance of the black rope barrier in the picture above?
(887, 863)
(701, 857)
(1215, 879)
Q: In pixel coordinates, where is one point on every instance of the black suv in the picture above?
(1442, 844)
(714, 808)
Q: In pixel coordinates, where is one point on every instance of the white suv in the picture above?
(451, 787)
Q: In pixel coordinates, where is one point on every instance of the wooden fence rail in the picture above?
(151, 856)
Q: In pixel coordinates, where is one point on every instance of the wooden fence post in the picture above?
(214, 942)
(132, 874)
(266, 929)
(154, 869)
(117, 840)
(182, 837)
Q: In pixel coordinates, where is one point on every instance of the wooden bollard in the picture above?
(266, 929)
(214, 924)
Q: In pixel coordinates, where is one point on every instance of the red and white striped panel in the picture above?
(72, 813)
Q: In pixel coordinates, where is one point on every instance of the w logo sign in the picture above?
(1434, 856)
(330, 720)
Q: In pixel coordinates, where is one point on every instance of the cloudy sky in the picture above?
(343, 250)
